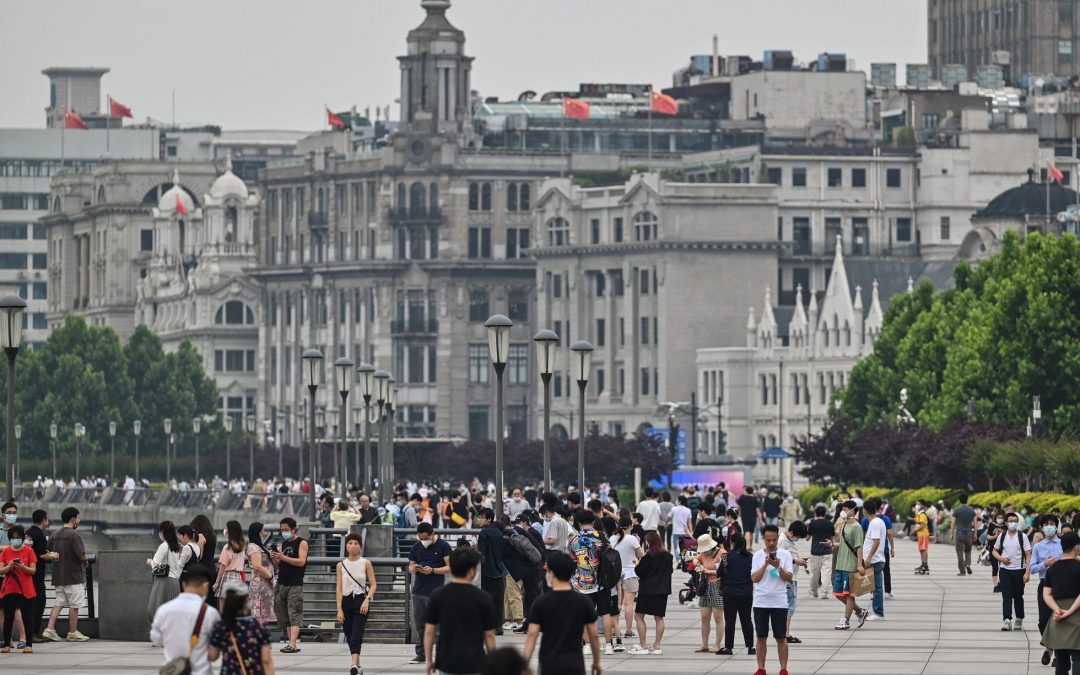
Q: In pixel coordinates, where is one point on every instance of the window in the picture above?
(511, 197)
(1065, 50)
(558, 232)
(234, 312)
(601, 284)
(13, 201)
(474, 197)
(39, 229)
(599, 380)
(798, 177)
(903, 229)
(146, 240)
(644, 330)
(517, 306)
(858, 178)
(617, 282)
(556, 389)
(12, 231)
(645, 226)
(478, 423)
(517, 422)
(40, 261)
(892, 178)
(643, 287)
(622, 332)
(478, 306)
(485, 197)
(523, 197)
(40, 290)
(945, 227)
(234, 360)
(600, 332)
(775, 175)
(39, 322)
(479, 242)
(930, 120)
(644, 381)
(860, 236)
(801, 236)
(556, 286)
(835, 177)
(617, 235)
(479, 365)
(594, 229)
(517, 242)
(1065, 12)
(517, 364)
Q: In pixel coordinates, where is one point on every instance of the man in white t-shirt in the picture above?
(650, 511)
(771, 570)
(682, 525)
(874, 555)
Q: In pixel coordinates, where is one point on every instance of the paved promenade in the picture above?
(936, 624)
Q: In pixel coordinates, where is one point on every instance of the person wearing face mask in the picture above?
(1013, 551)
(68, 577)
(262, 577)
(39, 542)
(17, 565)
(964, 522)
(165, 567)
(429, 562)
(459, 622)
(994, 529)
(185, 616)
(355, 588)
(564, 617)
(922, 535)
(289, 592)
(1043, 555)
(821, 543)
(516, 504)
(1061, 593)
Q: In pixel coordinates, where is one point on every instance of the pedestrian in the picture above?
(505, 661)
(18, 564)
(875, 541)
(750, 513)
(650, 511)
(522, 560)
(772, 569)
(240, 640)
(291, 562)
(654, 588)
(923, 524)
(666, 507)
(165, 568)
(709, 563)
(586, 549)
(261, 593)
(564, 617)
(493, 571)
(11, 516)
(462, 617)
(964, 529)
(789, 541)
(1061, 593)
(38, 541)
(771, 508)
(429, 563)
(994, 530)
(556, 530)
(738, 597)
(342, 517)
(183, 625)
(821, 545)
(629, 547)
(68, 577)
(1043, 556)
(356, 587)
(232, 561)
(206, 538)
(189, 549)
(848, 561)
(532, 584)
(516, 505)
(682, 527)
(791, 510)
(1013, 552)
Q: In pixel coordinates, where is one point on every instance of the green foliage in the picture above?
(902, 500)
(904, 137)
(605, 178)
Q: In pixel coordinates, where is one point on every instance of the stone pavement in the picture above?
(936, 624)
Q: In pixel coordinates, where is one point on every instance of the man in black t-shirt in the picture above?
(564, 617)
(705, 522)
(750, 514)
(428, 563)
(291, 563)
(821, 534)
(464, 617)
(39, 542)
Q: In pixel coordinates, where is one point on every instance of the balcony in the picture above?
(857, 249)
(407, 216)
(418, 326)
(317, 219)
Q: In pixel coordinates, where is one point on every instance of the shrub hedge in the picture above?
(904, 500)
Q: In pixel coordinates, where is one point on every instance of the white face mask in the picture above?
(426, 542)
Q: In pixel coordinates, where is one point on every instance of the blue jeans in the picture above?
(879, 588)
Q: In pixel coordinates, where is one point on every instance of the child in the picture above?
(17, 566)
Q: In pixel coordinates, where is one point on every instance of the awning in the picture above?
(775, 453)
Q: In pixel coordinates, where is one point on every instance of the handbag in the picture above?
(181, 665)
(160, 570)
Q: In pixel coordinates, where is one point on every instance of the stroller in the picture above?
(688, 594)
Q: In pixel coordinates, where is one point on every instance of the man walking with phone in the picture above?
(772, 569)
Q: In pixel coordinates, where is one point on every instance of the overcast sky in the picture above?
(271, 64)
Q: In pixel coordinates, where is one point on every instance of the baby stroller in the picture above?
(688, 595)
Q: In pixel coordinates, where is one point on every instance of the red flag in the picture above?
(180, 208)
(1054, 174)
(664, 104)
(333, 120)
(575, 108)
(73, 121)
(118, 109)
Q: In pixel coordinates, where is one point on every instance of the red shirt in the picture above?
(17, 580)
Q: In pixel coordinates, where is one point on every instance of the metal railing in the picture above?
(88, 612)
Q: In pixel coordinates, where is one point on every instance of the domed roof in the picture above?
(228, 184)
(1027, 199)
(168, 201)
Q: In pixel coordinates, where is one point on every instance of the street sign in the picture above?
(661, 434)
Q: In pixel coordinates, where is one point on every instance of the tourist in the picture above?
(995, 529)
(1060, 591)
(556, 530)
(821, 547)
(964, 521)
(516, 505)
(492, 572)
(770, 507)
(189, 549)
(429, 562)
(231, 562)
(875, 541)
(463, 618)
(848, 561)
(355, 588)
(291, 562)
(38, 541)
(11, 516)
(505, 661)
(750, 511)
(522, 560)
(165, 568)
(18, 564)
(177, 622)
(1043, 556)
(650, 511)
(654, 588)
(922, 526)
(630, 550)
(586, 546)
(791, 510)
(532, 584)
(261, 593)
(682, 526)
(772, 569)
(666, 507)
(708, 563)
(1013, 552)
(369, 515)
(789, 541)
(68, 577)
(343, 517)
(564, 617)
(206, 538)
(738, 597)
(240, 640)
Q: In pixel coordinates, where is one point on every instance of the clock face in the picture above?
(418, 149)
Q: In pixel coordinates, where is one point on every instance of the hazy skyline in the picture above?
(272, 64)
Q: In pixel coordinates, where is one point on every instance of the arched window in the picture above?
(511, 197)
(558, 232)
(645, 226)
(474, 197)
(230, 223)
(234, 313)
(836, 330)
(417, 198)
(847, 334)
(433, 198)
(559, 433)
(523, 197)
(485, 197)
(401, 196)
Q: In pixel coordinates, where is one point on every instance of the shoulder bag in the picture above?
(239, 656)
(181, 665)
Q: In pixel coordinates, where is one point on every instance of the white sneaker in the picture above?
(890, 596)
(843, 625)
(638, 650)
(586, 649)
(656, 652)
(875, 617)
(76, 636)
(608, 649)
(509, 625)
(50, 635)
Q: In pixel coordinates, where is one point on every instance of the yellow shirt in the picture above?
(922, 525)
(343, 519)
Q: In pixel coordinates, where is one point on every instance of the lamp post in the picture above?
(391, 407)
(112, 451)
(228, 424)
(582, 363)
(313, 372)
(343, 376)
(366, 373)
(137, 427)
(1036, 416)
(250, 422)
(80, 431)
(320, 427)
(196, 426)
(18, 453)
(167, 423)
(280, 439)
(11, 309)
(53, 433)
(498, 332)
(332, 428)
(382, 387)
(546, 341)
(300, 442)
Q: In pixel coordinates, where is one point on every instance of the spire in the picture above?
(750, 323)
(176, 176)
(228, 163)
(875, 318)
(910, 284)
(858, 306)
(857, 336)
(751, 330)
(836, 309)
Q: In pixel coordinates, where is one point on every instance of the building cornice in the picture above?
(651, 246)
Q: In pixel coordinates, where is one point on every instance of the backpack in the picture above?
(610, 566)
(524, 546)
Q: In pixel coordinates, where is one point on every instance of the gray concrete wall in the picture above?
(123, 593)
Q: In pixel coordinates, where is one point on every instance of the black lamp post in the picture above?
(167, 423)
(11, 309)
(582, 364)
(54, 431)
(546, 341)
(391, 407)
(343, 375)
(137, 428)
(228, 424)
(366, 374)
(332, 431)
(313, 375)
(112, 451)
(382, 389)
(498, 330)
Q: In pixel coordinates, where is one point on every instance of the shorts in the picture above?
(776, 615)
(289, 605)
(924, 542)
(792, 593)
(605, 603)
(841, 583)
(631, 585)
(72, 597)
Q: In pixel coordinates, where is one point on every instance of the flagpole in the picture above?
(650, 127)
(1047, 197)
(108, 125)
(562, 138)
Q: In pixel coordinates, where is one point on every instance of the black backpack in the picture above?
(523, 546)
(610, 566)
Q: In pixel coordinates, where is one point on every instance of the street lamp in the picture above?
(343, 375)
(228, 424)
(391, 407)
(546, 341)
(53, 433)
(1036, 415)
(313, 373)
(366, 373)
(581, 364)
(80, 431)
(320, 428)
(112, 451)
(332, 427)
(137, 427)
(167, 423)
(196, 425)
(382, 386)
(11, 309)
(18, 453)
(498, 332)
(250, 422)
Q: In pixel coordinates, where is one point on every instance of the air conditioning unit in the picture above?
(38, 275)
(22, 275)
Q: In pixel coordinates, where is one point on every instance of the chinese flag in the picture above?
(664, 104)
(118, 109)
(334, 120)
(180, 206)
(575, 108)
(73, 121)
(1054, 173)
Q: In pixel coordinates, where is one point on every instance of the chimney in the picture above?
(715, 55)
